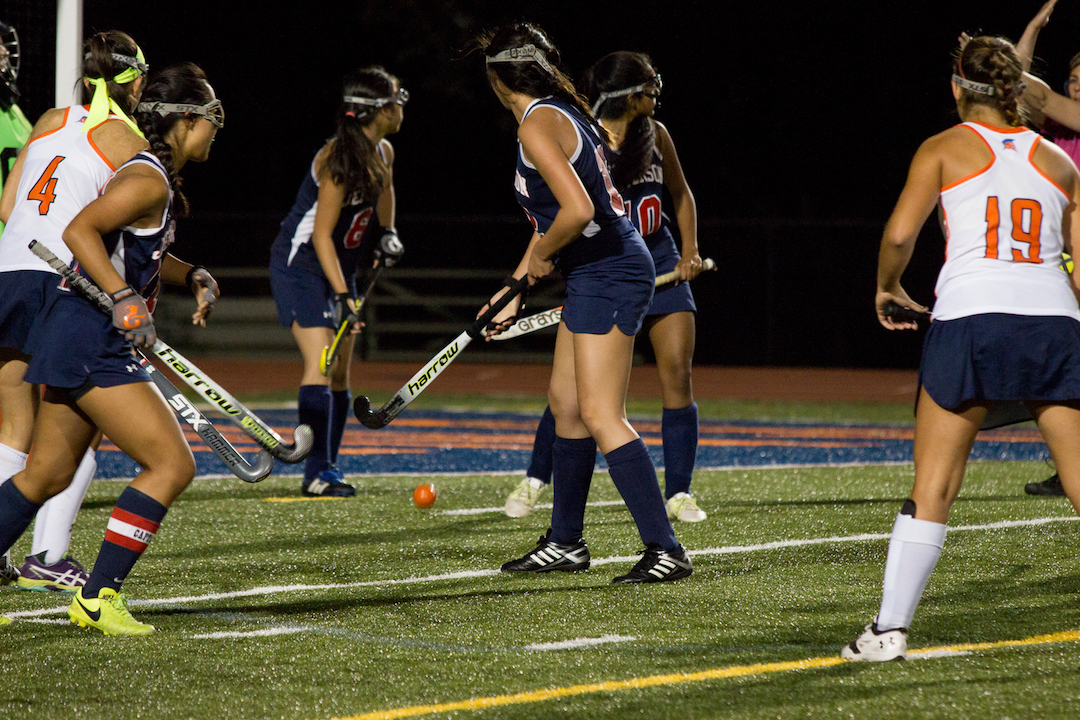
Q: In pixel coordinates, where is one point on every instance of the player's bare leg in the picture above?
(1060, 426)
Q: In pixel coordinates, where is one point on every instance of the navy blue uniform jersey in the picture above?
(644, 207)
(609, 272)
(292, 248)
(609, 228)
(137, 253)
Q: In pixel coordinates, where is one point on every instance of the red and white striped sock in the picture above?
(133, 524)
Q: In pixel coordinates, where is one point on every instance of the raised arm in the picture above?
(1041, 99)
(1026, 46)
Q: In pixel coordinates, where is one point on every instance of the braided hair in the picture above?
(531, 78)
(616, 71)
(98, 62)
(993, 61)
(181, 83)
(352, 160)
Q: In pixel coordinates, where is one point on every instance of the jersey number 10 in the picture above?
(1025, 213)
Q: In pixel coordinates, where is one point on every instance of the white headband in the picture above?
(975, 87)
(525, 53)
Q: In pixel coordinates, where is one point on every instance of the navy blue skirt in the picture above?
(304, 297)
(672, 297)
(25, 293)
(1001, 359)
(612, 292)
(75, 347)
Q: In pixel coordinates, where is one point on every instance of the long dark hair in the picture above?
(617, 71)
(352, 160)
(98, 62)
(993, 61)
(531, 78)
(182, 83)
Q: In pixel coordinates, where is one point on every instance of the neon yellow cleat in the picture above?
(5, 620)
(108, 613)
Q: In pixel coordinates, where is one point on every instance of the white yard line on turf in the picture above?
(580, 642)
(469, 574)
(521, 472)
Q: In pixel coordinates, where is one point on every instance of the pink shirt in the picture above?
(1066, 139)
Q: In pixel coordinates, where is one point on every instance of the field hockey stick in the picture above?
(420, 381)
(903, 314)
(552, 317)
(210, 435)
(329, 353)
(233, 408)
(249, 422)
(388, 252)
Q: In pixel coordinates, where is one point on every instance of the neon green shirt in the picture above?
(14, 131)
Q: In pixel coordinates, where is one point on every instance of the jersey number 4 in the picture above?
(44, 190)
(1026, 223)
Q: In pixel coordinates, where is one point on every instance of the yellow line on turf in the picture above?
(679, 678)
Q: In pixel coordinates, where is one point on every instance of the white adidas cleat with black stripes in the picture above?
(659, 565)
(549, 556)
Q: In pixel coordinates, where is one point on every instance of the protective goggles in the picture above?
(399, 98)
(655, 83)
(9, 54)
(525, 53)
(213, 111)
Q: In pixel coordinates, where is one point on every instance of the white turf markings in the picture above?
(468, 574)
(934, 654)
(521, 473)
(580, 642)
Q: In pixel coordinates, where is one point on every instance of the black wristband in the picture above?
(121, 294)
(509, 280)
(190, 273)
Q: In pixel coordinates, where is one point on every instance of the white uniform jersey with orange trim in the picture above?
(1003, 235)
(62, 173)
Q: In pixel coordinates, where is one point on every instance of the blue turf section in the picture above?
(432, 442)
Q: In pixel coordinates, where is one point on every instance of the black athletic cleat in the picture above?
(1049, 486)
(328, 483)
(659, 565)
(550, 556)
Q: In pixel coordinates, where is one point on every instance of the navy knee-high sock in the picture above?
(679, 429)
(543, 446)
(632, 471)
(339, 415)
(313, 408)
(133, 523)
(16, 514)
(573, 461)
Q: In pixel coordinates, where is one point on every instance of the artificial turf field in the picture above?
(269, 606)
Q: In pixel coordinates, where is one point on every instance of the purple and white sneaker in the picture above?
(65, 575)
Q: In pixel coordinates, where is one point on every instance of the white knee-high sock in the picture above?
(914, 549)
(56, 518)
(11, 462)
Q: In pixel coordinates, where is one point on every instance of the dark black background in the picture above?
(795, 123)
